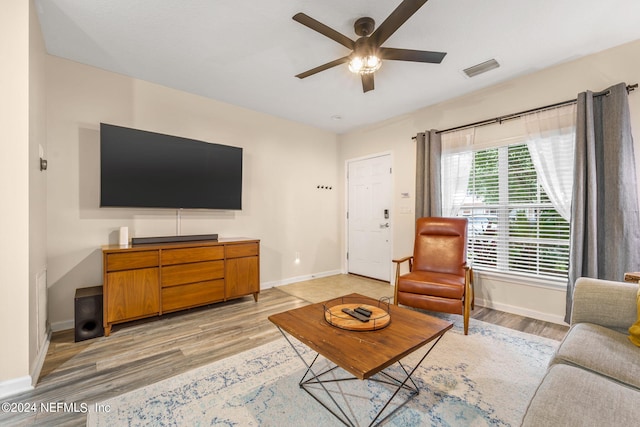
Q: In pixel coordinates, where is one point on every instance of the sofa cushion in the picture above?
(634, 330)
(569, 396)
(601, 350)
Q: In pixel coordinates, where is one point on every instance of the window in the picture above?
(514, 183)
(513, 226)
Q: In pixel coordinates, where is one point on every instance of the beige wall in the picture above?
(559, 83)
(14, 193)
(37, 199)
(284, 162)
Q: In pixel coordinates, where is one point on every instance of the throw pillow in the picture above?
(634, 330)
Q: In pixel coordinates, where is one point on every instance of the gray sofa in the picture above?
(594, 377)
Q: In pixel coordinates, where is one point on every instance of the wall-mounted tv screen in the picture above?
(153, 170)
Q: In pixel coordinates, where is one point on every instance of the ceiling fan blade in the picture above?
(324, 30)
(398, 17)
(367, 82)
(323, 67)
(411, 55)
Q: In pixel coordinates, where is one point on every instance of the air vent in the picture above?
(481, 68)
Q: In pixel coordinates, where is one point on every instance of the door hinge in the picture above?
(390, 170)
(347, 214)
(347, 255)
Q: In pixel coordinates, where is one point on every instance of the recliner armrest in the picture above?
(605, 303)
(398, 264)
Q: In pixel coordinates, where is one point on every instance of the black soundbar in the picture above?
(172, 239)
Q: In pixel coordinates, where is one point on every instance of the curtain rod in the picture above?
(500, 119)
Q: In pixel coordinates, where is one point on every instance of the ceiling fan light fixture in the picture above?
(364, 59)
(364, 64)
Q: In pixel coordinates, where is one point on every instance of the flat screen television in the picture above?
(152, 170)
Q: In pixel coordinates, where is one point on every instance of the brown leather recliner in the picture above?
(439, 278)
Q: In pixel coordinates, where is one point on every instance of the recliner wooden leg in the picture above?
(395, 289)
(466, 318)
(395, 294)
(473, 296)
(468, 301)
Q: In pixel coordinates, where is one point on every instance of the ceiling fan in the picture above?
(367, 52)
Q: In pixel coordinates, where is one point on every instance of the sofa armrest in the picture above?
(605, 303)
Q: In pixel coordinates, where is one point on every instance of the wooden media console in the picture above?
(152, 279)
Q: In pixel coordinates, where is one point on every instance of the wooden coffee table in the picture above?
(361, 353)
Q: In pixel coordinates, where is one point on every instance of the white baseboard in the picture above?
(15, 386)
(267, 285)
(63, 325)
(26, 383)
(70, 324)
(39, 363)
(533, 314)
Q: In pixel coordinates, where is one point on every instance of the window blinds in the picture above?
(513, 224)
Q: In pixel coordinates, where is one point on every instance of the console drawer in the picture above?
(186, 255)
(131, 260)
(245, 249)
(194, 294)
(192, 273)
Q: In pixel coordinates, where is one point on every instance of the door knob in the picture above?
(385, 225)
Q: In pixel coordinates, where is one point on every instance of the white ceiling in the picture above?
(247, 52)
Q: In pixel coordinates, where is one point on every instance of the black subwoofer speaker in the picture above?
(88, 313)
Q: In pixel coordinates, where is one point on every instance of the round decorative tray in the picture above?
(336, 314)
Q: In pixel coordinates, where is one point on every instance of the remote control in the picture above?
(355, 315)
(363, 311)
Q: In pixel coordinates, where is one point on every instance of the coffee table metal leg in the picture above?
(390, 380)
(414, 390)
(346, 419)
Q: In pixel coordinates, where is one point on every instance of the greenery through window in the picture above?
(513, 226)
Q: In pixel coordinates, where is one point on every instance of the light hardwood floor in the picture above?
(144, 352)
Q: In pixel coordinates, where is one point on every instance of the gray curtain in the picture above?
(605, 224)
(428, 156)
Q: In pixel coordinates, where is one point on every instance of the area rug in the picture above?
(483, 379)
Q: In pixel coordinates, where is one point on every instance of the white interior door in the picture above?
(368, 217)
